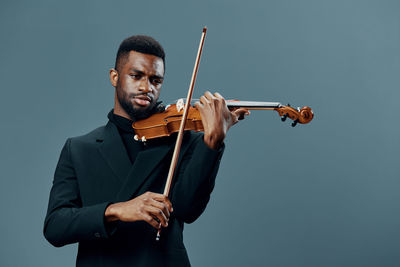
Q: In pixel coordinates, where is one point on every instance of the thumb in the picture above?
(240, 113)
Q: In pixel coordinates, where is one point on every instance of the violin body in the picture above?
(165, 123)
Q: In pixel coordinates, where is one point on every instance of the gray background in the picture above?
(323, 194)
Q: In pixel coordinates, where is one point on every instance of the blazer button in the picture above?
(97, 235)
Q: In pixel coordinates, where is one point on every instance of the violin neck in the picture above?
(234, 104)
(253, 105)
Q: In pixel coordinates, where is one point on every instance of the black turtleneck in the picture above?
(127, 133)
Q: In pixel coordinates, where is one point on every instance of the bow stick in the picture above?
(178, 143)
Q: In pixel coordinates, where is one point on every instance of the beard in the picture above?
(125, 100)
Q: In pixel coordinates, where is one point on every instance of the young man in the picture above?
(107, 188)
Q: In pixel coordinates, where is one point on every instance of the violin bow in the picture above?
(178, 143)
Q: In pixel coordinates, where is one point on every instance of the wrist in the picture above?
(111, 213)
(213, 143)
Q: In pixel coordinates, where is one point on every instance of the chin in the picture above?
(141, 108)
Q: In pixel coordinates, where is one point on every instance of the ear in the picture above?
(114, 77)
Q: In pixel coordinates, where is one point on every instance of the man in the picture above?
(107, 187)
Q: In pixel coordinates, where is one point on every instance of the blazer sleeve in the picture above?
(195, 180)
(66, 220)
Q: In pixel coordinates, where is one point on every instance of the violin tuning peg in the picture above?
(288, 104)
(180, 104)
(298, 109)
(283, 118)
(294, 123)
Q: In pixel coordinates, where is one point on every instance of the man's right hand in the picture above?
(150, 207)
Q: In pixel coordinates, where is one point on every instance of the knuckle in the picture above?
(141, 208)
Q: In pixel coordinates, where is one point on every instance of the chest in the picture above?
(98, 182)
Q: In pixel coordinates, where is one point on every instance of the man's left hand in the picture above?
(217, 118)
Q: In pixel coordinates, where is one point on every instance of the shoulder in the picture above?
(90, 138)
(191, 138)
(96, 133)
(195, 136)
(81, 146)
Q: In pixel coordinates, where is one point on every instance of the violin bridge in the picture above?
(180, 104)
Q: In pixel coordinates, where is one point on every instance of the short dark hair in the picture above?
(139, 43)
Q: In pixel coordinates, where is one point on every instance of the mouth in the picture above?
(143, 100)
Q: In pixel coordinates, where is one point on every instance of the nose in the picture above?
(145, 85)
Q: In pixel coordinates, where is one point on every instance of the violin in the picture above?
(180, 117)
(167, 122)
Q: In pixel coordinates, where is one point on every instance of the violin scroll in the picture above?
(302, 116)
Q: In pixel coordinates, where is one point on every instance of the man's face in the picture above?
(138, 84)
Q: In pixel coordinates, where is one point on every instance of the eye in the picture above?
(156, 81)
(136, 76)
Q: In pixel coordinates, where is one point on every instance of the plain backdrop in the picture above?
(322, 194)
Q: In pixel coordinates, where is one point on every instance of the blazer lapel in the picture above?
(144, 164)
(114, 152)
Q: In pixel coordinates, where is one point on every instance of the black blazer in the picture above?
(94, 170)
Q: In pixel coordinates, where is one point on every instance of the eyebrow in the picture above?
(142, 73)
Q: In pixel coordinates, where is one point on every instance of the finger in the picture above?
(150, 220)
(218, 95)
(198, 105)
(164, 199)
(204, 100)
(161, 206)
(220, 99)
(157, 214)
(208, 95)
